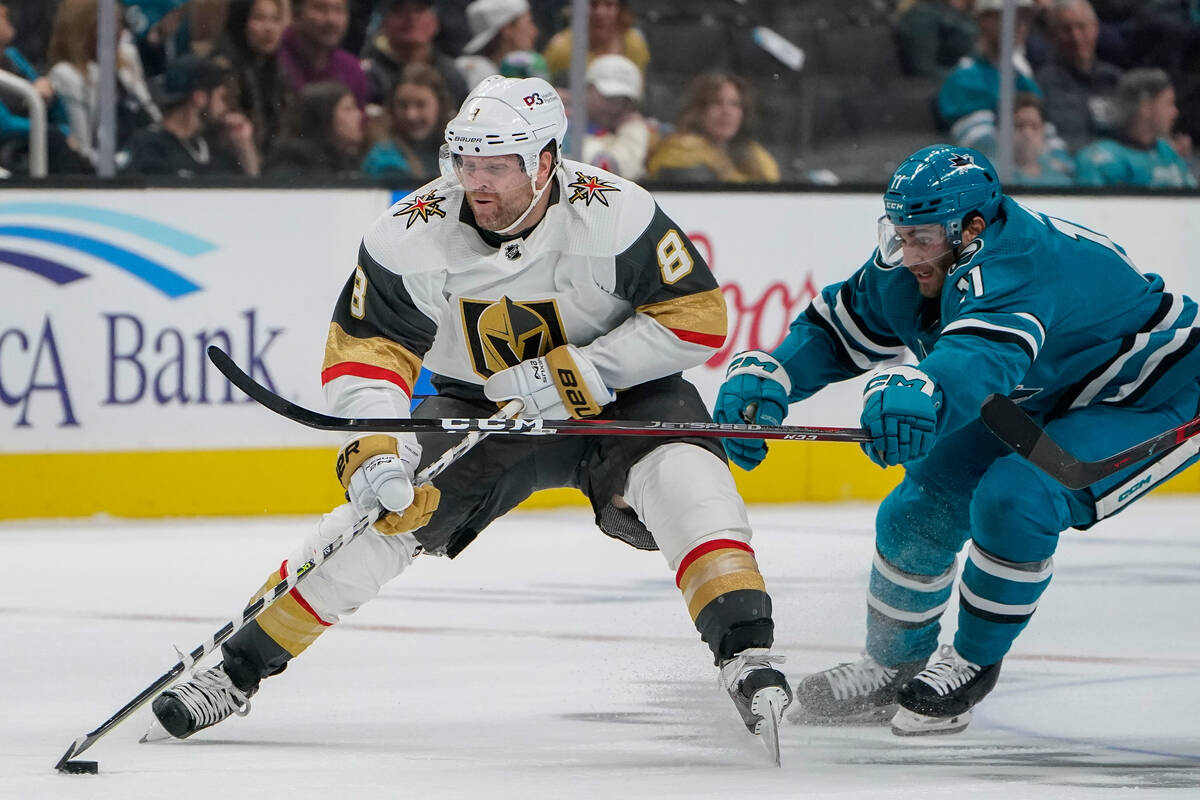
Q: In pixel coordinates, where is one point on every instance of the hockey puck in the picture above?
(80, 767)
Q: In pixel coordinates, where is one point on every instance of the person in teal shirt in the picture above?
(1142, 155)
(968, 98)
(14, 121)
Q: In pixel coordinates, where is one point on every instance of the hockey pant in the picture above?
(972, 488)
(683, 494)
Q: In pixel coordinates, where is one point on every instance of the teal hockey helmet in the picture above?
(943, 184)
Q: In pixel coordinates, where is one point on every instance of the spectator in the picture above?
(75, 76)
(200, 134)
(498, 27)
(1140, 155)
(322, 134)
(618, 137)
(1035, 163)
(610, 30)
(310, 51)
(934, 35)
(712, 141)
(407, 29)
(967, 101)
(14, 118)
(14, 114)
(253, 34)
(419, 110)
(1078, 87)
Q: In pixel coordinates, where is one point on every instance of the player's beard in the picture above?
(931, 275)
(499, 211)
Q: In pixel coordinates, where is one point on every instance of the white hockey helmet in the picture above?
(509, 116)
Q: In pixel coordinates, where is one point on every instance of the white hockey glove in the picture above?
(377, 470)
(560, 385)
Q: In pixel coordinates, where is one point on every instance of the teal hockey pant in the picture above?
(972, 489)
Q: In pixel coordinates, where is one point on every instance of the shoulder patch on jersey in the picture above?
(967, 255)
(422, 207)
(590, 187)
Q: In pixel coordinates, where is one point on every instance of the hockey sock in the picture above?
(903, 611)
(290, 622)
(726, 597)
(998, 597)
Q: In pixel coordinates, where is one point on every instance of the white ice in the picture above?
(549, 661)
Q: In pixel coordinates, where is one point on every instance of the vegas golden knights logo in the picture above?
(503, 333)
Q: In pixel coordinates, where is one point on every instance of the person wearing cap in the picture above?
(967, 100)
(610, 30)
(311, 51)
(407, 29)
(498, 28)
(199, 134)
(618, 137)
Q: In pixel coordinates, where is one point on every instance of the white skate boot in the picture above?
(760, 692)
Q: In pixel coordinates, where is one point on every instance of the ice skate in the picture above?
(760, 692)
(939, 699)
(201, 702)
(858, 693)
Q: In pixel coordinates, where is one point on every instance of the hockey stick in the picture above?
(1015, 428)
(187, 660)
(624, 427)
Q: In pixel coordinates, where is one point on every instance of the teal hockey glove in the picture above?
(900, 412)
(755, 391)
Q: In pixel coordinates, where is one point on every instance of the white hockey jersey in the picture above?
(605, 270)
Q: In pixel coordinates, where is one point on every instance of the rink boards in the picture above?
(108, 299)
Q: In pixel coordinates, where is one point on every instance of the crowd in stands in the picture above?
(1107, 91)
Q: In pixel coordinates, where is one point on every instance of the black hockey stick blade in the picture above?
(590, 427)
(1015, 428)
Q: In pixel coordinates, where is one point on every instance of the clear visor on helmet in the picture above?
(490, 174)
(911, 245)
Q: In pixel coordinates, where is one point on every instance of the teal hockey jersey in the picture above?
(1036, 308)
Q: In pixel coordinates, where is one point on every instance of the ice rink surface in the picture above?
(549, 661)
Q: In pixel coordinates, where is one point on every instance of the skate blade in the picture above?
(871, 717)
(769, 704)
(155, 733)
(910, 723)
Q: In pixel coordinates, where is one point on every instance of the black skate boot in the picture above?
(759, 691)
(858, 693)
(939, 699)
(201, 702)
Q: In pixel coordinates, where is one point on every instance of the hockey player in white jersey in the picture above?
(518, 275)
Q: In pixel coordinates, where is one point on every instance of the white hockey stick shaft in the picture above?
(251, 612)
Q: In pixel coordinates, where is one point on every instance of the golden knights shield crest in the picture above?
(503, 333)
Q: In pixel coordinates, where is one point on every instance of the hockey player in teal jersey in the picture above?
(989, 296)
